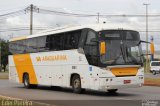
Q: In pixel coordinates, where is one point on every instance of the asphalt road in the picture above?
(65, 97)
(150, 75)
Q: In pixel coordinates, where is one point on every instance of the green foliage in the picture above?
(4, 53)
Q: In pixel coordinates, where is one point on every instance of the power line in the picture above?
(55, 12)
(12, 13)
(21, 29)
(44, 28)
(45, 11)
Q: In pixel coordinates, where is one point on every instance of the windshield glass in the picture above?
(122, 47)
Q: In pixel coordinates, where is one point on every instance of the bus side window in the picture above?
(91, 48)
(56, 42)
(41, 44)
(68, 39)
(72, 40)
(31, 45)
(82, 38)
(13, 47)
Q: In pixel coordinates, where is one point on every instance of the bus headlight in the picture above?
(107, 80)
(140, 77)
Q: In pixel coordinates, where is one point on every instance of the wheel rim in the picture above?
(76, 83)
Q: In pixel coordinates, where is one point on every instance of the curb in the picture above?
(156, 85)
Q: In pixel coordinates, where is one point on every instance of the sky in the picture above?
(80, 6)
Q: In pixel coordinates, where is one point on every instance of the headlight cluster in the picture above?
(140, 77)
(109, 79)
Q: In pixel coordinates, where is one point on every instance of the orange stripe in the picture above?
(124, 71)
(24, 64)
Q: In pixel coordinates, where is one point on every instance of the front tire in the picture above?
(76, 84)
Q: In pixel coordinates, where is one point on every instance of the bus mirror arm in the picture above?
(146, 54)
(141, 41)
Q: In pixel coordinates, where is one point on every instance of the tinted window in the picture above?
(91, 35)
(31, 45)
(132, 35)
(155, 63)
(120, 34)
(91, 48)
(56, 42)
(17, 47)
(46, 43)
(41, 44)
(72, 40)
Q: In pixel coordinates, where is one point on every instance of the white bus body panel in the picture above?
(58, 72)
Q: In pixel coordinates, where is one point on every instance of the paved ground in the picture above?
(150, 75)
(65, 97)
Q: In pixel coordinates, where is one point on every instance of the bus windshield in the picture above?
(122, 47)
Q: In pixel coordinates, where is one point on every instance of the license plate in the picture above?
(127, 81)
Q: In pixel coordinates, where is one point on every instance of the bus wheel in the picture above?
(154, 72)
(112, 90)
(26, 81)
(76, 84)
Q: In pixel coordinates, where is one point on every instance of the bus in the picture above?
(96, 57)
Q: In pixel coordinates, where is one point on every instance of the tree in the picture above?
(4, 53)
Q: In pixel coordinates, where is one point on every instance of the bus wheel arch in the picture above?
(26, 81)
(71, 77)
(75, 82)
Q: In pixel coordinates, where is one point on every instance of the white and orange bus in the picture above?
(97, 57)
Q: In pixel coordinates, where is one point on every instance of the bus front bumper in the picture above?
(120, 82)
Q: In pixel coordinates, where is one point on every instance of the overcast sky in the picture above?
(80, 6)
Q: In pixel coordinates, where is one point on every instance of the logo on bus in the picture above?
(51, 58)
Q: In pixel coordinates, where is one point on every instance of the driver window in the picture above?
(91, 48)
(91, 35)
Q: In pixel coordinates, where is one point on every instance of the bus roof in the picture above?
(96, 27)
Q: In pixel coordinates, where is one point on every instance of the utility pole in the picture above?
(31, 9)
(0, 55)
(98, 17)
(31, 19)
(147, 59)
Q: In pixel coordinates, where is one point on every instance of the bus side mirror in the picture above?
(152, 48)
(102, 48)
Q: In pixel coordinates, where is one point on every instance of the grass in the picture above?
(4, 75)
(152, 81)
